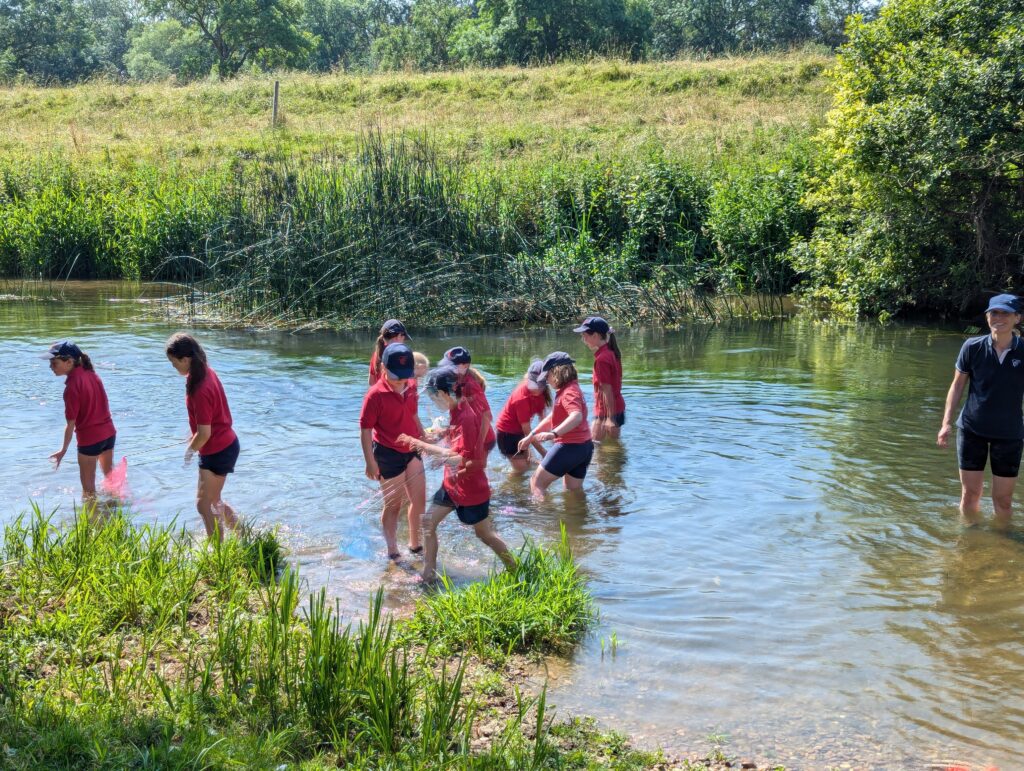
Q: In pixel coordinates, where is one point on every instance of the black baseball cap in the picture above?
(393, 327)
(458, 355)
(556, 359)
(397, 360)
(65, 349)
(444, 379)
(594, 324)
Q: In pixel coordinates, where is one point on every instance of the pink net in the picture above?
(115, 483)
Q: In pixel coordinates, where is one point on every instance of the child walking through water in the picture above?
(87, 414)
(213, 437)
(566, 426)
(465, 488)
(530, 398)
(609, 406)
(390, 412)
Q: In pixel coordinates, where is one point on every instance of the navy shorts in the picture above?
(571, 459)
(619, 418)
(221, 463)
(508, 444)
(92, 450)
(468, 515)
(391, 462)
(973, 450)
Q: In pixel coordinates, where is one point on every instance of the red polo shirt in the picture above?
(570, 399)
(520, 408)
(607, 371)
(390, 414)
(208, 406)
(466, 486)
(85, 402)
(374, 361)
(474, 393)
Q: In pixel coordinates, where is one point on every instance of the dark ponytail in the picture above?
(181, 345)
(614, 345)
(84, 362)
(547, 395)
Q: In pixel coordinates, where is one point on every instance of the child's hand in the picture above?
(454, 460)
(189, 452)
(408, 440)
(372, 470)
(56, 458)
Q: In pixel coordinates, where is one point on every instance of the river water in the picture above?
(774, 546)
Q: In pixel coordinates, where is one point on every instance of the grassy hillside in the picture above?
(606, 108)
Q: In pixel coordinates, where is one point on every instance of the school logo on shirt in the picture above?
(1016, 362)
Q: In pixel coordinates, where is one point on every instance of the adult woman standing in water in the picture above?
(609, 406)
(566, 425)
(209, 419)
(391, 331)
(991, 424)
(389, 411)
(87, 414)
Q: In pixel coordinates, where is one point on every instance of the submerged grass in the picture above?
(133, 646)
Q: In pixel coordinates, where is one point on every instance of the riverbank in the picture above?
(123, 644)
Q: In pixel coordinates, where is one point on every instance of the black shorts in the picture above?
(468, 515)
(391, 462)
(571, 459)
(508, 444)
(221, 463)
(619, 418)
(973, 450)
(92, 450)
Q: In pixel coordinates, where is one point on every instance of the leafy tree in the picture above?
(343, 31)
(242, 31)
(921, 188)
(424, 40)
(166, 48)
(49, 40)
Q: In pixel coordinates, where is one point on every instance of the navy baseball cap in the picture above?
(458, 355)
(1004, 302)
(556, 359)
(535, 373)
(594, 324)
(443, 379)
(65, 349)
(393, 327)
(397, 360)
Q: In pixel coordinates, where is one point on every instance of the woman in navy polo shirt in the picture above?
(390, 411)
(609, 406)
(87, 414)
(991, 425)
(213, 437)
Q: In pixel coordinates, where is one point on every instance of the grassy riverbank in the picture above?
(132, 646)
(653, 191)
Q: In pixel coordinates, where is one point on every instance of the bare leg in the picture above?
(211, 508)
(601, 431)
(520, 462)
(541, 481)
(434, 518)
(415, 489)
(87, 473)
(1002, 500)
(572, 483)
(971, 485)
(392, 489)
(485, 532)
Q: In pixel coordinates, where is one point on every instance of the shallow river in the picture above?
(774, 546)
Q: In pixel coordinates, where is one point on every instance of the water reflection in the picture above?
(774, 543)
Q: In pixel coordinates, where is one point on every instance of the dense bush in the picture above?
(920, 191)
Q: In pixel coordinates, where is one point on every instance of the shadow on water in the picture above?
(774, 543)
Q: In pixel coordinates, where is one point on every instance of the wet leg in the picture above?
(415, 489)
(971, 485)
(392, 490)
(485, 532)
(433, 518)
(1002, 500)
(541, 481)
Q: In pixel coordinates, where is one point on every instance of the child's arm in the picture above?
(58, 456)
(451, 458)
(527, 440)
(366, 440)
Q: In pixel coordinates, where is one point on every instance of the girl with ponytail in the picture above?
(391, 331)
(609, 406)
(209, 419)
(87, 414)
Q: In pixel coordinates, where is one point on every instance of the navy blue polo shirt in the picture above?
(996, 390)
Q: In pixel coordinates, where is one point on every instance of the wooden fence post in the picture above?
(277, 90)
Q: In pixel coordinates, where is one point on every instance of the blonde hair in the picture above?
(562, 375)
(478, 377)
(420, 359)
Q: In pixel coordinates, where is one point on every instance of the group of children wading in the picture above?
(391, 434)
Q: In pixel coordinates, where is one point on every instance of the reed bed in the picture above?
(127, 645)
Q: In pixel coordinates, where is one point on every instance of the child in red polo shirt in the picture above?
(465, 488)
(530, 398)
(609, 406)
(566, 426)
(87, 414)
(389, 412)
(213, 437)
(473, 387)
